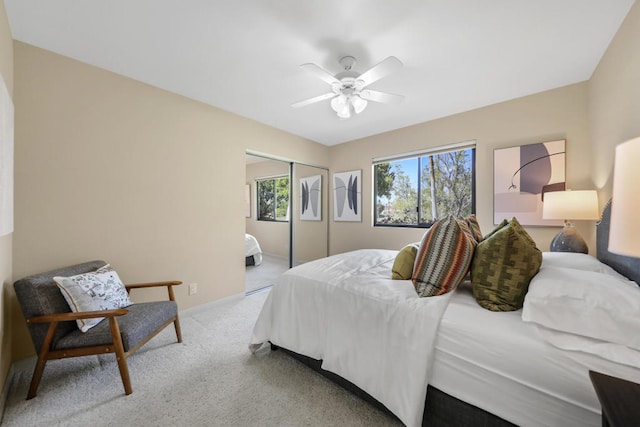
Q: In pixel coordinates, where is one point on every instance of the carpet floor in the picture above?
(211, 379)
(261, 276)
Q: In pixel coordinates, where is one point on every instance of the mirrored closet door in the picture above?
(287, 220)
(267, 220)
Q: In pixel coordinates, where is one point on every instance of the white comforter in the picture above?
(387, 348)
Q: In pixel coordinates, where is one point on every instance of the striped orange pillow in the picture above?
(474, 227)
(444, 257)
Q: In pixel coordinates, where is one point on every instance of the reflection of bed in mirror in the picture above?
(253, 253)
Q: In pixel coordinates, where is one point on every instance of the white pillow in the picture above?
(586, 303)
(579, 262)
(98, 290)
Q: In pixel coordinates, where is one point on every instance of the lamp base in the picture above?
(569, 240)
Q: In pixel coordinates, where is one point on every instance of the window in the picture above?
(415, 190)
(273, 198)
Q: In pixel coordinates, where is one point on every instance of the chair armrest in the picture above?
(168, 284)
(153, 284)
(63, 317)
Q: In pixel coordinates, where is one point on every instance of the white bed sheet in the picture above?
(369, 329)
(252, 248)
(499, 363)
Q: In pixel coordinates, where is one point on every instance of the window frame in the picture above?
(419, 155)
(274, 179)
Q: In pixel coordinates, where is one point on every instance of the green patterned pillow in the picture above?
(498, 227)
(403, 265)
(444, 257)
(503, 265)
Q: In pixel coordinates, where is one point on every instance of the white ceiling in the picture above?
(243, 56)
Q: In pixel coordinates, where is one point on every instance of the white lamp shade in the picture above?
(571, 205)
(358, 103)
(624, 232)
(340, 105)
(345, 113)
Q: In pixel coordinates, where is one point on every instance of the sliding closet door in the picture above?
(310, 218)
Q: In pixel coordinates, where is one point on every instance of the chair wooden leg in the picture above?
(35, 379)
(42, 360)
(176, 323)
(120, 356)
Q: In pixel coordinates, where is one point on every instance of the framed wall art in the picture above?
(6, 160)
(521, 177)
(310, 198)
(347, 196)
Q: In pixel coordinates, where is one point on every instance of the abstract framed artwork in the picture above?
(347, 196)
(6, 160)
(310, 198)
(521, 177)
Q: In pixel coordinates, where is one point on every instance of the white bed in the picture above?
(513, 373)
(379, 335)
(253, 252)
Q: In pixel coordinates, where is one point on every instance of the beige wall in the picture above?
(272, 236)
(614, 100)
(6, 293)
(547, 116)
(152, 182)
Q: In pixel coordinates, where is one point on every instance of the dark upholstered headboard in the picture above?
(626, 265)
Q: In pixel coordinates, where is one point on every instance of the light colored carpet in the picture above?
(263, 275)
(211, 379)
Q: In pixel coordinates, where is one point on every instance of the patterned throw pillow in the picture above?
(503, 265)
(99, 290)
(498, 227)
(403, 264)
(444, 257)
(474, 226)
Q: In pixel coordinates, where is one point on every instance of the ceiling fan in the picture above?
(349, 89)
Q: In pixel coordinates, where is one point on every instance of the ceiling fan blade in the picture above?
(320, 73)
(380, 70)
(384, 97)
(314, 99)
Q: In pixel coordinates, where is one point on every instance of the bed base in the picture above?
(441, 409)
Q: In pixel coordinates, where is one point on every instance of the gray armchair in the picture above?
(55, 334)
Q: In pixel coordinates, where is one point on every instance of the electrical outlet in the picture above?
(193, 288)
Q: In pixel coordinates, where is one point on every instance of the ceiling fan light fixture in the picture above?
(348, 87)
(358, 103)
(338, 103)
(345, 112)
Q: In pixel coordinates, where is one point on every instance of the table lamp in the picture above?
(570, 205)
(624, 232)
